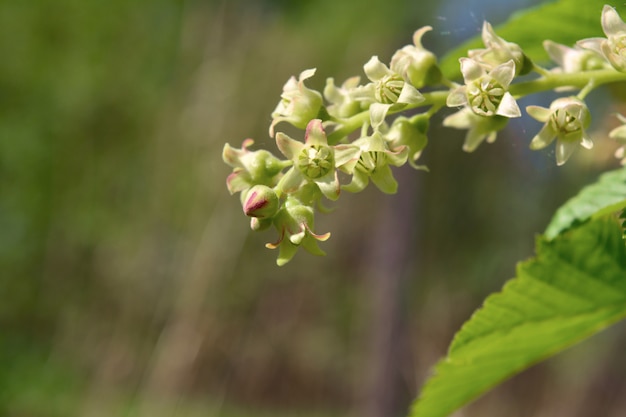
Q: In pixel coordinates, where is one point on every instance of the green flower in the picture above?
(372, 162)
(343, 100)
(294, 222)
(411, 134)
(313, 161)
(566, 121)
(486, 93)
(298, 103)
(387, 89)
(251, 167)
(498, 51)
(479, 127)
(415, 63)
(573, 60)
(613, 47)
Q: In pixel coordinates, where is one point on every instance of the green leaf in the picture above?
(607, 195)
(575, 287)
(563, 21)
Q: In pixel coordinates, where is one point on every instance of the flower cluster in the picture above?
(350, 141)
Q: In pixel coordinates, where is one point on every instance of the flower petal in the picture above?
(232, 156)
(346, 154)
(237, 181)
(619, 133)
(286, 252)
(375, 70)
(508, 106)
(586, 141)
(612, 24)
(504, 73)
(410, 95)
(539, 113)
(459, 120)
(289, 147)
(564, 150)
(399, 157)
(307, 73)
(315, 134)
(471, 70)
(329, 185)
(312, 247)
(359, 181)
(594, 44)
(472, 140)
(542, 139)
(419, 33)
(291, 181)
(383, 178)
(457, 97)
(378, 112)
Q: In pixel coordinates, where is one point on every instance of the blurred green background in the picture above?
(131, 284)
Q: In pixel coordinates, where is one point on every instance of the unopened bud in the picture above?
(405, 133)
(261, 202)
(415, 63)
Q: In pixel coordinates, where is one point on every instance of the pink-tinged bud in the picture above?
(261, 202)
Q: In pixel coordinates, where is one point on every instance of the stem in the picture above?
(586, 81)
(577, 80)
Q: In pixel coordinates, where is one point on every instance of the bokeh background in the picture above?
(131, 284)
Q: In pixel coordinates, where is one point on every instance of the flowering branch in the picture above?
(285, 193)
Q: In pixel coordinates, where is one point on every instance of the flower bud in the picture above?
(261, 202)
(613, 47)
(412, 135)
(251, 167)
(566, 121)
(299, 104)
(498, 51)
(415, 63)
(343, 100)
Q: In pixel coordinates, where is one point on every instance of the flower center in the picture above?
(567, 125)
(369, 161)
(484, 96)
(388, 89)
(618, 44)
(316, 161)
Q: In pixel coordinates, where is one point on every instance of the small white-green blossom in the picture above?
(415, 63)
(372, 162)
(613, 47)
(389, 89)
(566, 121)
(485, 93)
(313, 161)
(299, 104)
(409, 133)
(573, 60)
(251, 167)
(294, 222)
(343, 99)
(497, 51)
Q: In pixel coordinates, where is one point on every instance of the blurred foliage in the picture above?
(129, 277)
